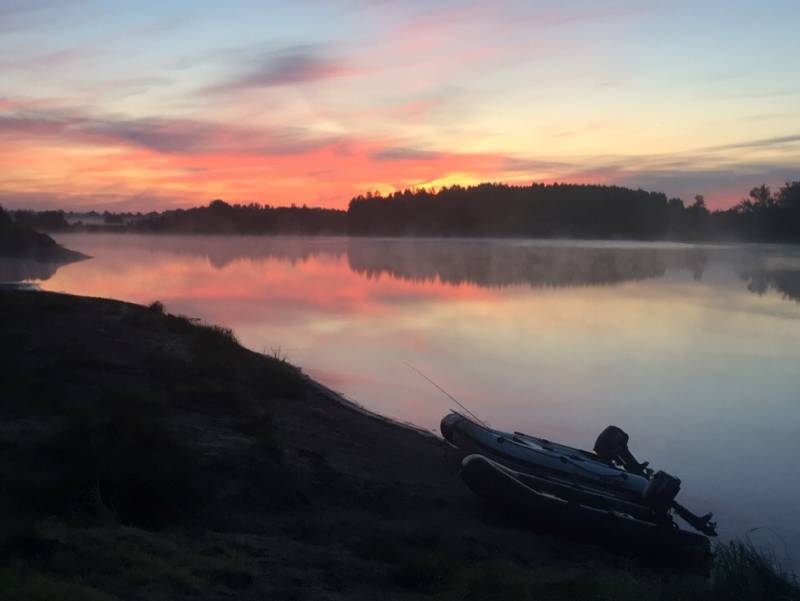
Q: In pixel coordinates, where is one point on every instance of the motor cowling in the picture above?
(661, 491)
(612, 446)
(611, 443)
(448, 426)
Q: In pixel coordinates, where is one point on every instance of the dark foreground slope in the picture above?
(144, 456)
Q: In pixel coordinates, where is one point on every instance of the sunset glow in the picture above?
(158, 105)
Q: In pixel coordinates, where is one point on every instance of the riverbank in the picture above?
(20, 242)
(146, 456)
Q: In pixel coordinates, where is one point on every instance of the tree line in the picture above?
(485, 210)
(220, 217)
(575, 211)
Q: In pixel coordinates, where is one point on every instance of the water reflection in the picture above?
(23, 270)
(760, 281)
(487, 264)
(492, 264)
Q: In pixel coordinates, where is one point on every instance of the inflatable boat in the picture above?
(614, 523)
(538, 455)
(609, 479)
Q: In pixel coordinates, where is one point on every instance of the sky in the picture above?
(155, 105)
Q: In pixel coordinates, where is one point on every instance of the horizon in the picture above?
(156, 107)
(370, 195)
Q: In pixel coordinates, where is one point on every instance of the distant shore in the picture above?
(489, 210)
(21, 242)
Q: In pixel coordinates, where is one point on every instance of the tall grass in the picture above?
(745, 572)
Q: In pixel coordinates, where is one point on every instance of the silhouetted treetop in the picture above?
(573, 210)
(538, 210)
(220, 217)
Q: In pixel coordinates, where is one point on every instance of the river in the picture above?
(693, 350)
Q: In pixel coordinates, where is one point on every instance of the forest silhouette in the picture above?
(575, 211)
(486, 210)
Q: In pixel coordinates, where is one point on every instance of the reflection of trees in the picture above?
(486, 263)
(509, 263)
(19, 270)
(761, 280)
(489, 263)
(291, 250)
(221, 251)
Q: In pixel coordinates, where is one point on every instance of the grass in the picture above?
(423, 564)
(112, 562)
(108, 448)
(122, 458)
(426, 567)
(20, 583)
(444, 576)
(215, 350)
(426, 572)
(742, 571)
(116, 459)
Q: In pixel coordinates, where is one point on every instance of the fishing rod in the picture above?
(450, 396)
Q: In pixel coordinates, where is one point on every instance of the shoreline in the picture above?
(149, 452)
(669, 242)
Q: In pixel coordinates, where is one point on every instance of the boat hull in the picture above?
(581, 515)
(542, 457)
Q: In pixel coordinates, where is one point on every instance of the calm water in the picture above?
(694, 350)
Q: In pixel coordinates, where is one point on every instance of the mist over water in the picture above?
(694, 350)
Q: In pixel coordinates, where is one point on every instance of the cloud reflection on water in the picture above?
(482, 263)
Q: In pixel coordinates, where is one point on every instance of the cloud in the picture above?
(290, 66)
(49, 60)
(140, 201)
(722, 185)
(171, 136)
(405, 154)
(762, 143)
(534, 165)
(757, 94)
(13, 8)
(190, 161)
(20, 15)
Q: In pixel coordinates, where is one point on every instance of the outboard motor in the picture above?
(661, 491)
(612, 446)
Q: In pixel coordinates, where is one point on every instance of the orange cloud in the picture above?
(56, 156)
(76, 155)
